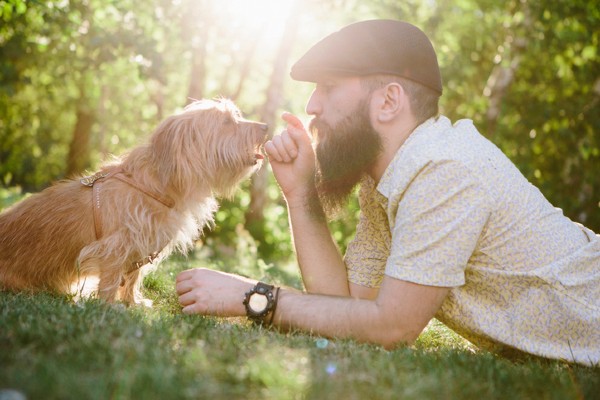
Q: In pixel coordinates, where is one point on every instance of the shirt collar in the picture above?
(385, 185)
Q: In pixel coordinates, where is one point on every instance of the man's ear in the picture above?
(392, 101)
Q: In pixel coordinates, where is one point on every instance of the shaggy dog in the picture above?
(133, 212)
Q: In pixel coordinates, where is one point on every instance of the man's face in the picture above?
(347, 144)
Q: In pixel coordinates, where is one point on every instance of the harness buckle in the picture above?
(90, 180)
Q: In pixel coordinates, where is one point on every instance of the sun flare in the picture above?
(259, 11)
(270, 15)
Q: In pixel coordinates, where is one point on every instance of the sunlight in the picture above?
(270, 15)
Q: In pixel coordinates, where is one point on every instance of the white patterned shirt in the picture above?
(452, 210)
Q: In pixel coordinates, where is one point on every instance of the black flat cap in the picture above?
(373, 47)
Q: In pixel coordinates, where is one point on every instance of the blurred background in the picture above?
(83, 79)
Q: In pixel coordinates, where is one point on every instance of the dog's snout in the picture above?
(262, 130)
(258, 126)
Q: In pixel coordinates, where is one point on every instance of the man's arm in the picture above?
(292, 159)
(398, 315)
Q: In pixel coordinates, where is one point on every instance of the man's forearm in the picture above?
(398, 314)
(321, 264)
(339, 317)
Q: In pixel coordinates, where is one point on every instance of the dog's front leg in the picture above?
(130, 291)
(106, 258)
(111, 276)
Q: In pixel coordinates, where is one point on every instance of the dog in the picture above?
(118, 223)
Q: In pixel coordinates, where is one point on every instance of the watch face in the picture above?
(258, 302)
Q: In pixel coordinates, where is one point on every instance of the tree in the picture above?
(58, 61)
(258, 198)
(80, 80)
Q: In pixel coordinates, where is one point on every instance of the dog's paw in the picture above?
(144, 303)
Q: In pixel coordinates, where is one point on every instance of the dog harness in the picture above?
(95, 182)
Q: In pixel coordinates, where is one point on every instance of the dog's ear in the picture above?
(183, 148)
(166, 144)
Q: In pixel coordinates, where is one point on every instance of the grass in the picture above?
(53, 348)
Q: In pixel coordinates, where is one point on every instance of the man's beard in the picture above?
(344, 154)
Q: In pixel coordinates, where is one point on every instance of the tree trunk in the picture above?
(502, 76)
(198, 40)
(197, 74)
(245, 70)
(79, 149)
(258, 191)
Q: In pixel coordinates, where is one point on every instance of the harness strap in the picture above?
(96, 212)
(96, 181)
(166, 201)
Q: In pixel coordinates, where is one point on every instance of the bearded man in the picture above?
(449, 228)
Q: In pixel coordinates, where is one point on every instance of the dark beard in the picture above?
(344, 154)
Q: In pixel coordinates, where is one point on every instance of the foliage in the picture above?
(54, 348)
(526, 72)
(9, 196)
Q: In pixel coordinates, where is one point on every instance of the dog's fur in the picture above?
(48, 241)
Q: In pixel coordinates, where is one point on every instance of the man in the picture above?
(449, 228)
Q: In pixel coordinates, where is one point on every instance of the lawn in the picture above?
(54, 348)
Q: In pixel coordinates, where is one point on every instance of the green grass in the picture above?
(53, 348)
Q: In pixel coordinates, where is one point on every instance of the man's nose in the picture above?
(313, 107)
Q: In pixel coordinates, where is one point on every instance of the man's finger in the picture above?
(187, 299)
(191, 309)
(272, 152)
(187, 274)
(277, 149)
(183, 287)
(289, 145)
(298, 133)
(292, 120)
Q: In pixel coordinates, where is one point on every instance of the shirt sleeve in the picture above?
(367, 253)
(438, 222)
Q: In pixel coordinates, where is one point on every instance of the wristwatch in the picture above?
(259, 301)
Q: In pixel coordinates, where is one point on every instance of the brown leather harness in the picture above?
(96, 181)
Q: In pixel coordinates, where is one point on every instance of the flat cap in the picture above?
(373, 47)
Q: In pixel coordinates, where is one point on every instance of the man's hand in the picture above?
(292, 159)
(207, 292)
